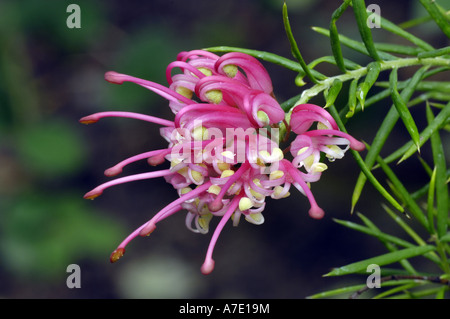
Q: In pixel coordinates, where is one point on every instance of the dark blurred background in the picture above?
(50, 76)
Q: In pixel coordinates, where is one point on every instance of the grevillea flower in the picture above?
(223, 144)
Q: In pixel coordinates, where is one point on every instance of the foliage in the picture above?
(422, 212)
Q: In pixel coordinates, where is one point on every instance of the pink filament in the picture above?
(97, 116)
(99, 189)
(167, 211)
(315, 211)
(117, 169)
(208, 265)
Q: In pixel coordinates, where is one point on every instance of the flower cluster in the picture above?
(224, 144)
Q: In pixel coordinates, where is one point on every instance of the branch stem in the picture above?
(385, 65)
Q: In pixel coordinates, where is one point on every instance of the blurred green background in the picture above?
(50, 76)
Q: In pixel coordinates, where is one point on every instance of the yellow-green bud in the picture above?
(203, 221)
(230, 70)
(302, 150)
(184, 91)
(256, 218)
(214, 189)
(200, 133)
(205, 71)
(228, 154)
(245, 203)
(227, 173)
(185, 190)
(276, 175)
(278, 190)
(318, 167)
(197, 176)
(214, 96)
(263, 117)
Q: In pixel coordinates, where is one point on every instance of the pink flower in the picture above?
(224, 161)
(309, 144)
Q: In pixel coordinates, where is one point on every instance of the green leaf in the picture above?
(287, 105)
(436, 13)
(428, 96)
(441, 293)
(373, 70)
(355, 288)
(359, 8)
(441, 183)
(370, 101)
(416, 21)
(262, 55)
(294, 47)
(330, 59)
(417, 294)
(385, 129)
(430, 201)
(403, 110)
(434, 53)
(355, 45)
(376, 233)
(409, 148)
(338, 291)
(392, 27)
(431, 255)
(407, 286)
(381, 260)
(336, 47)
(334, 36)
(365, 170)
(391, 247)
(442, 86)
(333, 92)
(409, 201)
(445, 238)
(398, 49)
(425, 166)
(352, 98)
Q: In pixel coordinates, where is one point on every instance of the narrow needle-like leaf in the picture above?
(392, 27)
(335, 292)
(403, 110)
(355, 45)
(376, 233)
(373, 70)
(437, 15)
(408, 229)
(365, 170)
(409, 201)
(409, 148)
(441, 185)
(294, 47)
(333, 92)
(430, 201)
(385, 129)
(334, 36)
(381, 260)
(352, 98)
(359, 8)
(390, 246)
(431, 54)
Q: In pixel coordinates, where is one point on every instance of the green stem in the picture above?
(385, 65)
